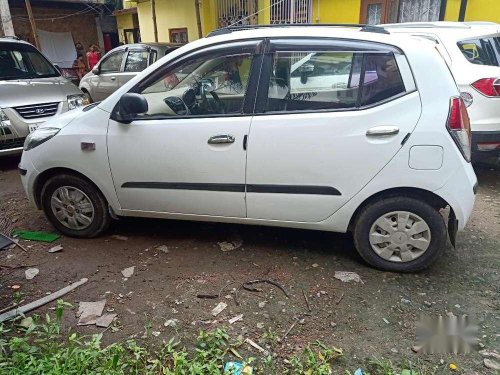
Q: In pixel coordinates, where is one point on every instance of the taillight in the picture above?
(488, 86)
(459, 126)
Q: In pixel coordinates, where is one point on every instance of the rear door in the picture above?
(312, 146)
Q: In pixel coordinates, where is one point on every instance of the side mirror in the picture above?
(129, 106)
(96, 70)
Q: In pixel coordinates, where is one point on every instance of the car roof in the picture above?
(13, 39)
(348, 32)
(452, 30)
(158, 46)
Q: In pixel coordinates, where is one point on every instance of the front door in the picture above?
(106, 82)
(319, 136)
(187, 154)
(374, 12)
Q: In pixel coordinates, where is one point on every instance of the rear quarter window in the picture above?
(481, 51)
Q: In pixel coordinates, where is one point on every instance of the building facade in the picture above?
(179, 21)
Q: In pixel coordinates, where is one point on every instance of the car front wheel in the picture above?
(400, 234)
(75, 206)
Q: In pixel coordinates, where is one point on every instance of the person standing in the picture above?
(93, 56)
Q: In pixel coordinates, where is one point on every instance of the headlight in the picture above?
(38, 137)
(75, 101)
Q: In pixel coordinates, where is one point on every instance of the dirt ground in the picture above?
(374, 319)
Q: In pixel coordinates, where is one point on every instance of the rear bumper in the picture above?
(460, 193)
(485, 144)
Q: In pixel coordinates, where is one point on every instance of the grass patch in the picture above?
(42, 348)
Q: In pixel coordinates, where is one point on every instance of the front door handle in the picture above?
(380, 131)
(219, 139)
(113, 78)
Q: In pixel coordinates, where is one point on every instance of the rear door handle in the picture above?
(220, 139)
(380, 131)
(113, 78)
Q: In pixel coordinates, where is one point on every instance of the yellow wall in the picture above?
(336, 11)
(124, 21)
(477, 10)
(170, 14)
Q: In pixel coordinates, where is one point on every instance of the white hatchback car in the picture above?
(472, 51)
(216, 131)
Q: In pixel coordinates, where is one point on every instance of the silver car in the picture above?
(120, 65)
(32, 90)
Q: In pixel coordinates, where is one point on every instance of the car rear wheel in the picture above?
(400, 234)
(74, 206)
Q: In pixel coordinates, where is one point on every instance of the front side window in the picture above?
(204, 86)
(481, 51)
(19, 61)
(331, 80)
(112, 63)
(136, 61)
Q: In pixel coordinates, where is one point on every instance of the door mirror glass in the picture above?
(129, 106)
(96, 71)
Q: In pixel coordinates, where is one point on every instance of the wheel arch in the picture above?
(411, 192)
(49, 173)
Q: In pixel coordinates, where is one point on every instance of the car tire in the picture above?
(400, 234)
(75, 206)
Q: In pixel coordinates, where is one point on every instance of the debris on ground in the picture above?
(307, 301)
(171, 323)
(235, 319)
(488, 353)
(219, 308)
(15, 287)
(453, 367)
(346, 276)
(30, 273)
(231, 244)
(89, 312)
(164, 249)
(40, 302)
(26, 322)
(119, 238)
(255, 345)
(237, 368)
(5, 242)
(385, 320)
(128, 272)
(358, 372)
(105, 320)
(56, 249)
(35, 236)
(491, 364)
(247, 287)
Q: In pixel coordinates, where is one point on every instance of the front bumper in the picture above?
(28, 174)
(485, 144)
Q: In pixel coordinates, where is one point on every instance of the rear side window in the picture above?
(484, 51)
(307, 81)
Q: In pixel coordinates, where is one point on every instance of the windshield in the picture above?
(22, 61)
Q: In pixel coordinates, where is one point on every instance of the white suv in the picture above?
(472, 51)
(220, 130)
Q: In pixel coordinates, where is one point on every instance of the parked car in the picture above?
(31, 91)
(119, 66)
(472, 50)
(218, 131)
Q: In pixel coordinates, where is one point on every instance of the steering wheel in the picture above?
(216, 104)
